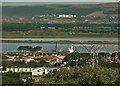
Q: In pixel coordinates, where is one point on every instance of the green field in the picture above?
(52, 34)
(25, 30)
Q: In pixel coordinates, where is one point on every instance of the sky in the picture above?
(59, 1)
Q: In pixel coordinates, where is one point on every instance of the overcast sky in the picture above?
(60, 0)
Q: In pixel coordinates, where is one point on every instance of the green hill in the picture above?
(80, 9)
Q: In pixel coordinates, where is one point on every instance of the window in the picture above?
(43, 72)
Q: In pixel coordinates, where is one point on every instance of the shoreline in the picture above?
(55, 37)
(61, 42)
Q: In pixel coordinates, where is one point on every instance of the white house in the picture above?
(42, 70)
(19, 69)
(39, 71)
(67, 16)
(29, 60)
(34, 71)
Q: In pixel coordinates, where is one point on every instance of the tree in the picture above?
(84, 76)
(11, 78)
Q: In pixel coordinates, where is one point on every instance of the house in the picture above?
(51, 27)
(67, 16)
(19, 69)
(1, 70)
(34, 71)
(24, 80)
(42, 71)
(36, 79)
(42, 27)
(29, 60)
(39, 71)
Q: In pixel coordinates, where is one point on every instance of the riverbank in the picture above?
(61, 37)
(61, 41)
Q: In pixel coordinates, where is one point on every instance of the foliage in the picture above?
(11, 78)
(13, 63)
(4, 57)
(33, 64)
(84, 75)
(39, 64)
(82, 59)
(51, 74)
(110, 65)
(11, 74)
(40, 10)
(76, 58)
(29, 30)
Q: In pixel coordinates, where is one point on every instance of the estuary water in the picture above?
(45, 3)
(70, 39)
(48, 47)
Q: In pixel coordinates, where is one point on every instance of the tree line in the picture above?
(86, 75)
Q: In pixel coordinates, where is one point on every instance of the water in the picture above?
(47, 47)
(44, 3)
(70, 39)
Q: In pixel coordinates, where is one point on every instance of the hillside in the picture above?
(81, 9)
(79, 20)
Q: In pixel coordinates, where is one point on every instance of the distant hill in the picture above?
(81, 9)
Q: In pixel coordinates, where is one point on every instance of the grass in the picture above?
(53, 34)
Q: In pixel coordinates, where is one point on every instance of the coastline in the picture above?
(58, 37)
(61, 42)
